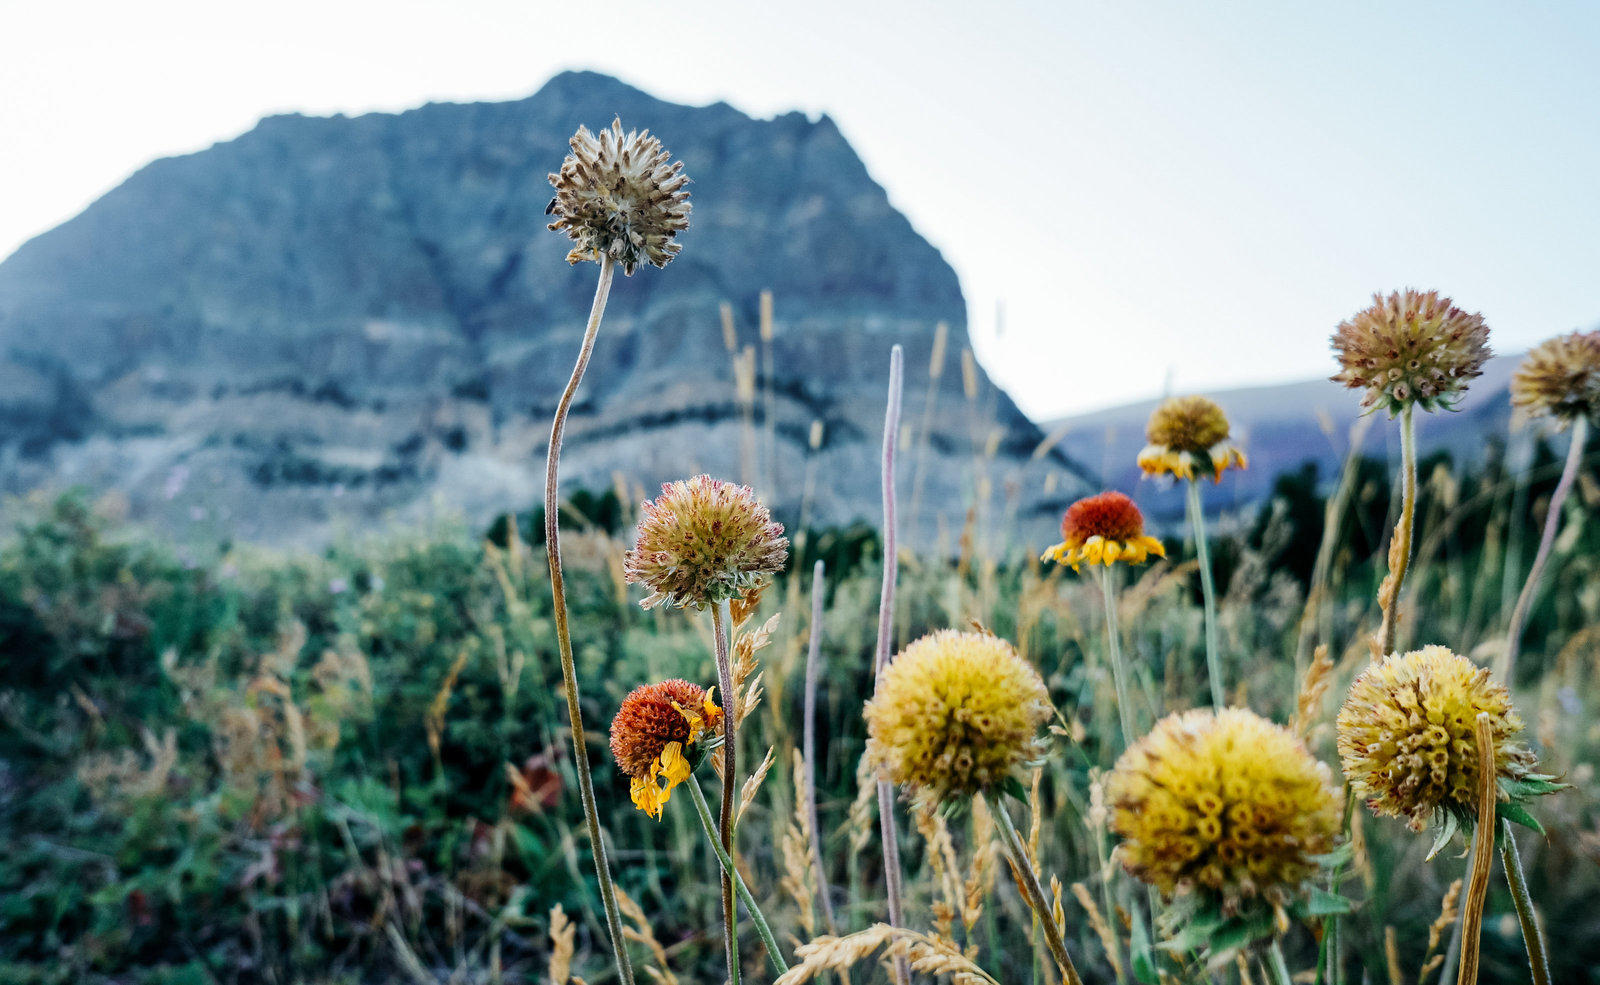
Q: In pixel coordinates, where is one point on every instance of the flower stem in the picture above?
(891, 564)
(1552, 519)
(1108, 590)
(809, 742)
(569, 672)
(1197, 517)
(762, 929)
(1034, 892)
(721, 620)
(1400, 544)
(1482, 855)
(1532, 939)
(1276, 968)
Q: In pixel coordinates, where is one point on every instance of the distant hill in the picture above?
(332, 321)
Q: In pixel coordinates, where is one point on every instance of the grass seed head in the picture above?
(1413, 347)
(704, 541)
(1560, 378)
(617, 197)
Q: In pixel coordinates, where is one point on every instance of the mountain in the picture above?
(329, 322)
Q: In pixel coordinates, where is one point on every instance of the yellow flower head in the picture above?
(703, 541)
(1560, 377)
(954, 714)
(617, 197)
(1406, 735)
(1226, 805)
(1185, 432)
(1104, 529)
(655, 727)
(1412, 347)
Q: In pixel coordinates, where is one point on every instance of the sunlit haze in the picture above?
(1135, 196)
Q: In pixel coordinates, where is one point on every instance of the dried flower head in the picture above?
(1406, 735)
(617, 197)
(954, 714)
(1103, 529)
(1560, 377)
(1412, 347)
(652, 736)
(1185, 432)
(1223, 804)
(703, 541)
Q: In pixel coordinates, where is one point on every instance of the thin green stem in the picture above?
(1119, 675)
(1273, 964)
(1532, 939)
(1552, 520)
(762, 929)
(1034, 892)
(1197, 518)
(569, 672)
(1400, 546)
(721, 621)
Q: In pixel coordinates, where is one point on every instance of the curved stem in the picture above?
(558, 592)
(1197, 517)
(1552, 519)
(1532, 939)
(1119, 674)
(1034, 892)
(721, 621)
(762, 929)
(1400, 545)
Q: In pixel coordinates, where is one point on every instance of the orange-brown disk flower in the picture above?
(704, 541)
(1413, 347)
(1185, 432)
(1560, 377)
(1104, 529)
(652, 734)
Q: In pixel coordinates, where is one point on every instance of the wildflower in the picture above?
(954, 714)
(1103, 529)
(1412, 347)
(617, 197)
(704, 541)
(652, 736)
(1406, 735)
(1560, 377)
(1225, 805)
(1185, 432)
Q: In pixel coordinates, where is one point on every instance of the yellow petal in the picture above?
(674, 767)
(1113, 551)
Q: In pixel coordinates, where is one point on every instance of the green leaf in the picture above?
(1446, 832)
(1336, 859)
(1533, 785)
(1013, 787)
(1144, 964)
(1237, 934)
(1321, 903)
(1515, 813)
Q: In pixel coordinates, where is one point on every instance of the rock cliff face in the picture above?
(332, 321)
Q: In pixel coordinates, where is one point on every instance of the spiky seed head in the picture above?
(617, 197)
(1224, 804)
(954, 715)
(1185, 432)
(1560, 378)
(703, 541)
(1411, 348)
(1406, 735)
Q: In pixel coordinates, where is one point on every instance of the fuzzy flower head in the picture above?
(1225, 805)
(1406, 735)
(1560, 378)
(1412, 347)
(1103, 529)
(1185, 432)
(703, 541)
(617, 197)
(954, 715)
(654, 734)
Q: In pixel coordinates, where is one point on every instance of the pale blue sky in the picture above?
(1193, 192)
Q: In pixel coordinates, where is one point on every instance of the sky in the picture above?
(1139, 197)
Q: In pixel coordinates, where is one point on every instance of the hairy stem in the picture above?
(558, 591)
(1034, 892)
(1532, 939)
(762, 929)
(1119, 674)
(808, 742)
(721, 621)
(1197, 517)
(1482, 855)
(1400, 546)
(1552, 520)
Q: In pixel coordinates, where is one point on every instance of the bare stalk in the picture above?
(762, 929)
(1119, 674)
(891, 566)
(1034, 892)
(808, 741)
(569, 672)
(1532, 939)
(1400, 545)
(1197, 517)
(1482, 855)
(721, 620)
(1552, 520)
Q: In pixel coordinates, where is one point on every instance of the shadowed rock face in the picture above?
(328, 321)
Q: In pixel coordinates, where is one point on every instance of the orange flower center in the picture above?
(1110, 515)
